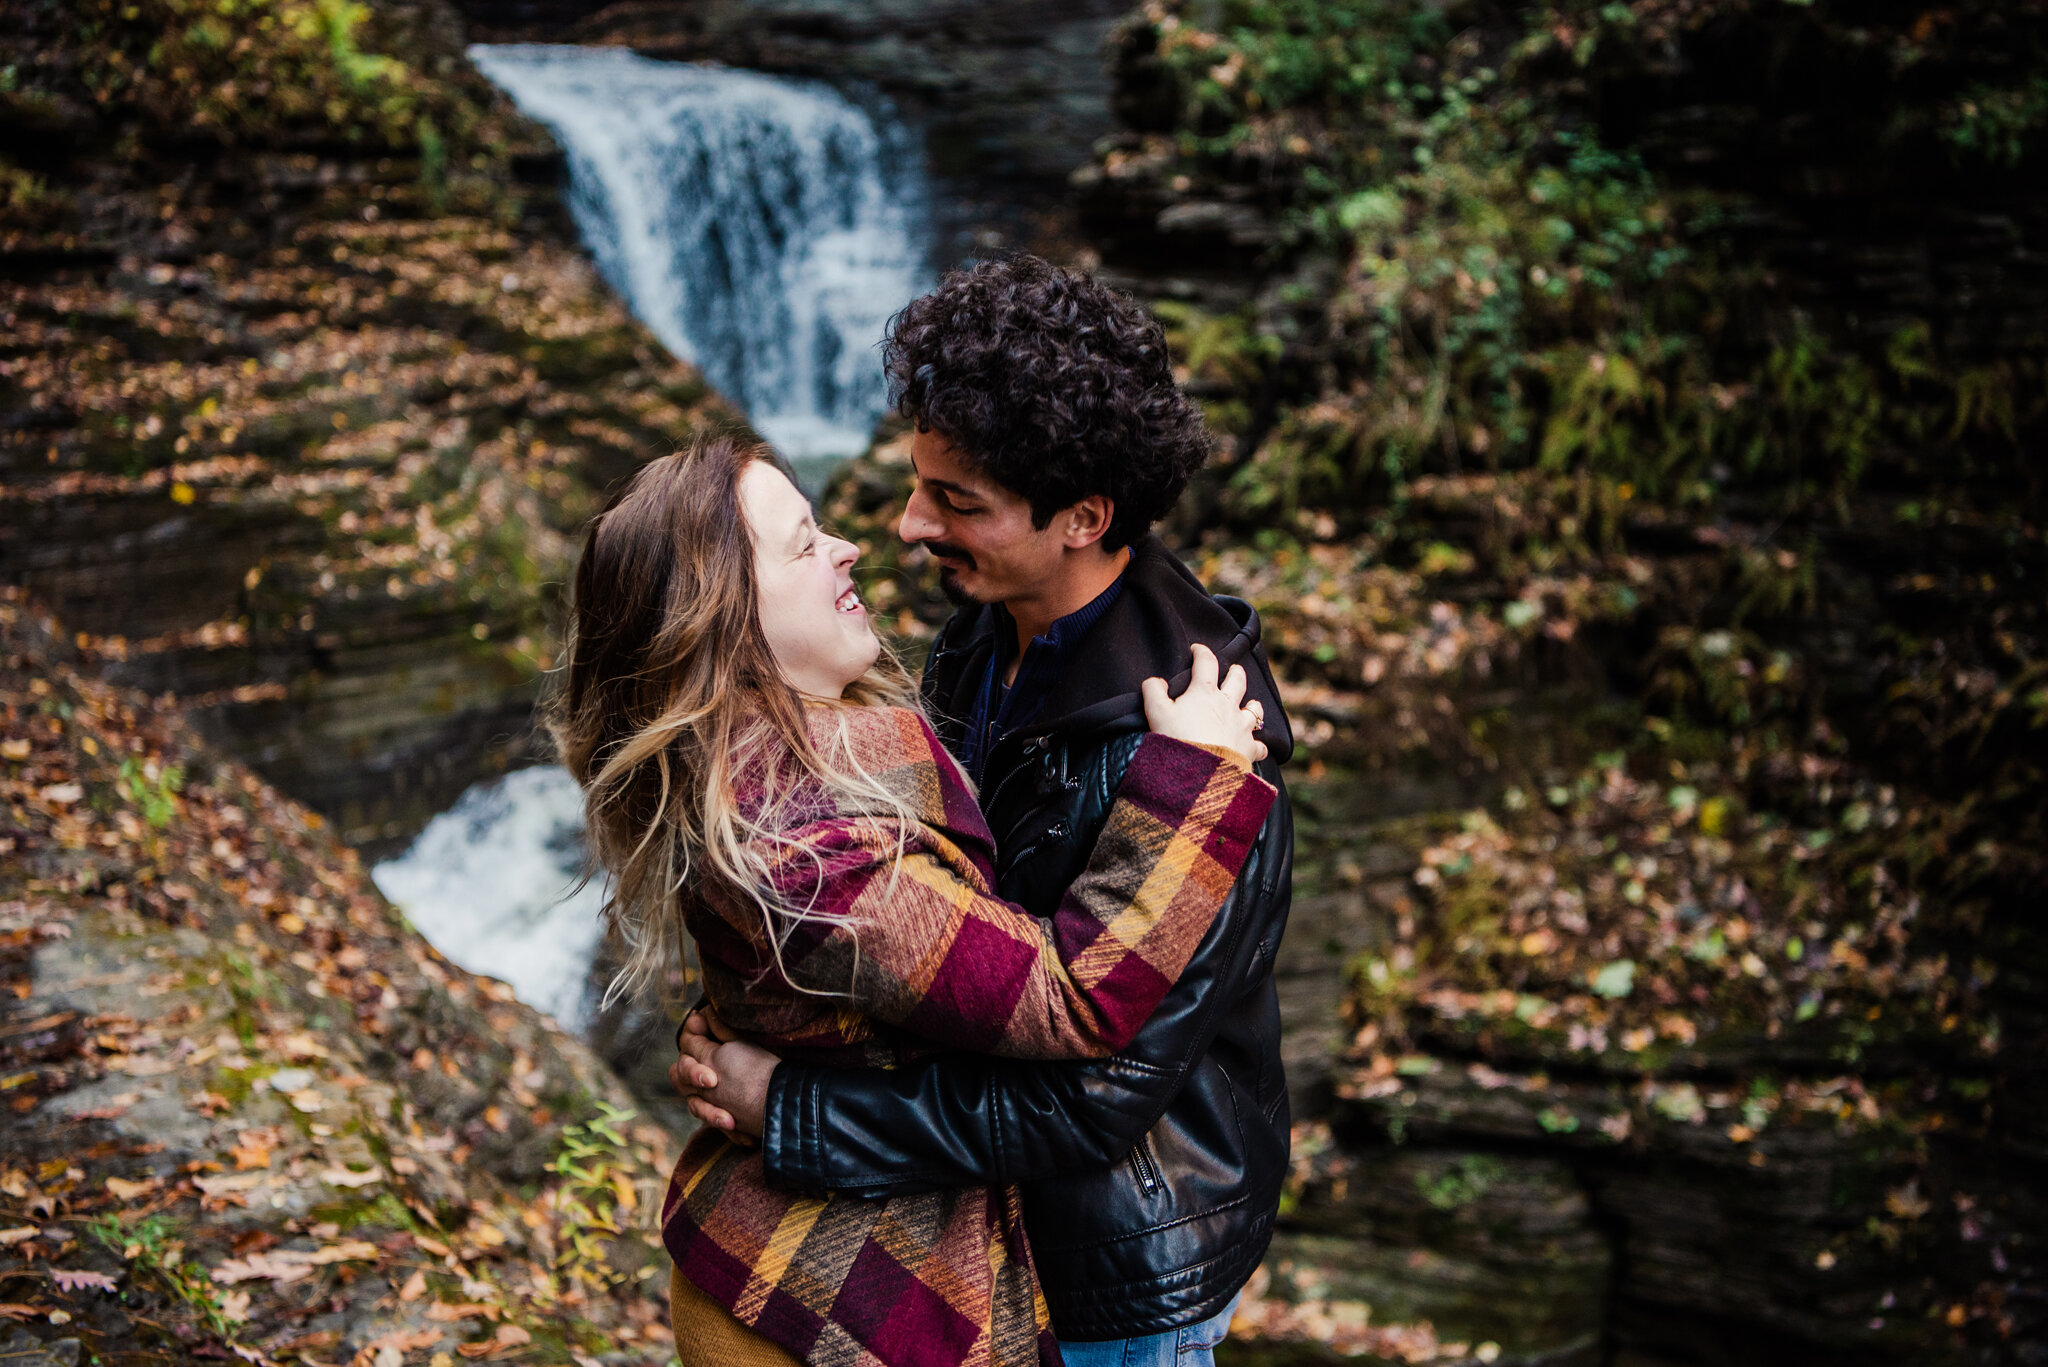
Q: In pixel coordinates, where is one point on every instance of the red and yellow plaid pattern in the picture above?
(906, 949)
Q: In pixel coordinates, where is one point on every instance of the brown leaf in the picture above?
(444, 1312)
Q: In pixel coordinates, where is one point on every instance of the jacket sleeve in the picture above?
(912, 936)
(964, 1120)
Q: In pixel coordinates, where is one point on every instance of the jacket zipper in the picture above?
(1143, 1167)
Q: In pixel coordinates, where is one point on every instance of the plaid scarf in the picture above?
(904, 948)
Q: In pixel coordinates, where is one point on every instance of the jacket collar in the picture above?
(1162, 611)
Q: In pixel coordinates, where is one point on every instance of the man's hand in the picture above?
(724, 1079)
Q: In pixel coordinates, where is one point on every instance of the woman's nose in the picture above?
(844, 552)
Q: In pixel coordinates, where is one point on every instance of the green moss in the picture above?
(383, 1211)
(1465, 1180)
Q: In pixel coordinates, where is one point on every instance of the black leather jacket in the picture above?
(1150, 1179)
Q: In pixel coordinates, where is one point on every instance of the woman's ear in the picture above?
(1082, 524)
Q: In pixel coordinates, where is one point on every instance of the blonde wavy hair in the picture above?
(670, 698)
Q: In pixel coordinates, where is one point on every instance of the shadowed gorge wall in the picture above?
(1631, 420)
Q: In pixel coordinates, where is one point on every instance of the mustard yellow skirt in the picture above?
(708, 1336)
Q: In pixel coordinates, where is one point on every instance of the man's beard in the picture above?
(956, 592)
(949, 583)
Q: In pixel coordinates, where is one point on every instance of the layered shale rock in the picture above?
(306, 406)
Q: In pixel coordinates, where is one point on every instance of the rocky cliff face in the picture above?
(304, 416)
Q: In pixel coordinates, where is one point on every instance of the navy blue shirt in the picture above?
(999, 708)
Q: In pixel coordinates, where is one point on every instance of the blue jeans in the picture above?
(1191, 1345)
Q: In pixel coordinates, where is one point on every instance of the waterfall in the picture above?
(763, 228)
(493, 884)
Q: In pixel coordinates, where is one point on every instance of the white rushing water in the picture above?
(763, 228)
(491, 883)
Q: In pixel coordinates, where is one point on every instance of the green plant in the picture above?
(257, 70)
(1998, 124)
(153, 788)
(150, 1245)
(595, 1199)
(249, 988)
(433, 163)
(1469, 1177)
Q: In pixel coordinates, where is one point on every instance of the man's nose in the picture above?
(917, 522)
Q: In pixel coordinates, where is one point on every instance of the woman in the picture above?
(756, 774)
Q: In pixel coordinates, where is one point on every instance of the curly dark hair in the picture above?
(1052, 384)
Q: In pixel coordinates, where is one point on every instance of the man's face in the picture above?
(979, 532)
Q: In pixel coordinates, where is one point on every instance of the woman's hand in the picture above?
(1208, 712)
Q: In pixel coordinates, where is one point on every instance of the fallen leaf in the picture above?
(81, 1281)
(282, 1268)
(141, 1065)
(248, 1155)
(342, 1177)
(21, 1234)
(1906, 1203)
(397, 1343)
(415, 1287)
(348, 1251)
(302, 1046)
(124, 1190)
(290, 1265)
(444, 1312)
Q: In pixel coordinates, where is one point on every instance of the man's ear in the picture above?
(1082, 524)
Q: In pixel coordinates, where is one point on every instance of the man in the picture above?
(1050, 436)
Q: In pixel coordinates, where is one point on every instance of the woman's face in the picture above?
(813, 617)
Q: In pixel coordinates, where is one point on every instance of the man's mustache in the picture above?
(950, 552)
